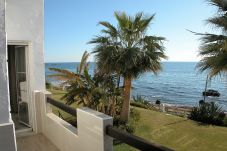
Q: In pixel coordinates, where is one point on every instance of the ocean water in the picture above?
(179, 83)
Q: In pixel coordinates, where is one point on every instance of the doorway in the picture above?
(18, 86)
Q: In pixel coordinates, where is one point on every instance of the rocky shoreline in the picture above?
(173, 109)
(181, 110)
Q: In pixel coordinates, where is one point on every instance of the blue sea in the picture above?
(179, 83)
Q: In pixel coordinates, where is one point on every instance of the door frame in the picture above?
(27, 45)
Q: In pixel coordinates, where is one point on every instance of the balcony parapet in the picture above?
(89, 134)
(93, 127)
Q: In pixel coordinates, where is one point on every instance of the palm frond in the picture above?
(219, 22)
(210, 38)
(213, 48)
(146, 22)
(125, 53)
(99, 40)
(61, 77)
(215, 65)
(111, 30)
(65, 73)
(83, 63)
(220, 4)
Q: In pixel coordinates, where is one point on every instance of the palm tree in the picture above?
(127, 50)
(213, 48)
(97, 92)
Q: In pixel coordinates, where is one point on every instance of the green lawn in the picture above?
(179, 133)
(175, 132)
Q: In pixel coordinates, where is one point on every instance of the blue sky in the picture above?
(70, 24)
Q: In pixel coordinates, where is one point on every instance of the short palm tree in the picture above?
(213, 48)
(97, 92)
(127, 50)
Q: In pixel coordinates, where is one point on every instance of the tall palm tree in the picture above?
(127, 50)
(213, 48)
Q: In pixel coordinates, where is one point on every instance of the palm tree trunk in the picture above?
(125, 111)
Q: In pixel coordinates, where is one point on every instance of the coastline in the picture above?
(177, 109)
(181, 110)
(177, 85)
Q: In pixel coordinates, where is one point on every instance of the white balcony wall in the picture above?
(88, 136)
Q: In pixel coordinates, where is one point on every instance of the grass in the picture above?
(178, 133)
(172, 131)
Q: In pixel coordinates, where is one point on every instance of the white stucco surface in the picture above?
(7, 137)
(24, 26)
(4, 93)
(7, 133)
(90, 134)
(24, 22)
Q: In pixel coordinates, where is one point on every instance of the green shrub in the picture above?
(140, 101)
(209, 113)
(201, 101)
(137, 104)
(48, 85)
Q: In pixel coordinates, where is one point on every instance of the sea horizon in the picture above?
(179, 83)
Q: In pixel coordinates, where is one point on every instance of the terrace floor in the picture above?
(35, 143)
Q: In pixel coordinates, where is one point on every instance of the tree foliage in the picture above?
(127, 50)
(96, 92)
(213, 49)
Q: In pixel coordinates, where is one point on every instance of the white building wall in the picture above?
(7, 133)
(24, 22)
(4, 97)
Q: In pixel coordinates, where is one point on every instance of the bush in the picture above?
(140, 101)
(48, 85)
(209, 113)
(201, 102)
(137, 104)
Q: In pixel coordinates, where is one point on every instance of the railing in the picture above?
(134, 141)
(62, 106)
(124, 137)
